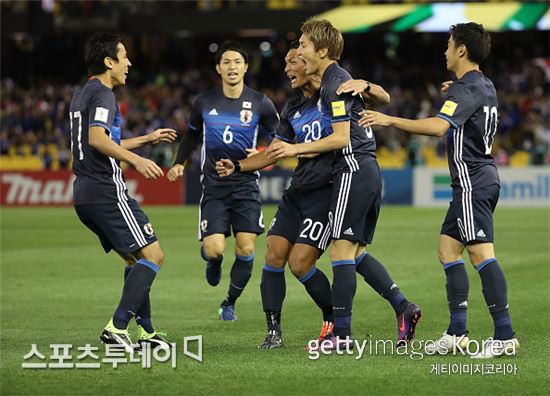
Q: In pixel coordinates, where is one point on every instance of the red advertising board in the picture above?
(49, 188)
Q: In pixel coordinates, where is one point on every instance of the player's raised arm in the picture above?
(372, 93)
(167, 135)
(100, 141)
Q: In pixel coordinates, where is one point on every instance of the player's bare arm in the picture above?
(372, 93)
(99, 140)
(159, 135)
(433, 126)
(338, 139)
(258, 160)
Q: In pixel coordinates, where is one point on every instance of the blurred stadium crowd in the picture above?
(34, 111)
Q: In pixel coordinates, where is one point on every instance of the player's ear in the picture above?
(108, 62)
(462, 51)
(323, 52)
(218, 69)
(245, 67)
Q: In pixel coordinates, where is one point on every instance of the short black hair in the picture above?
(476, 39)
(294, 44)
(231, 46)
(97, 47)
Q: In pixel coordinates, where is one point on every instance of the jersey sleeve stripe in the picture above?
(447, 119)
(340, 119)
(101, 125)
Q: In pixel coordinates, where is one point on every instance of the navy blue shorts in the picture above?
(302, 217)
(219, 216)
(355, 204)
(470, 215)
(121, 226)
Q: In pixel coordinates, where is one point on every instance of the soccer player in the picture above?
(100, 195)
(469, 117)
(227, 121)
(357, 188)
(300, 231)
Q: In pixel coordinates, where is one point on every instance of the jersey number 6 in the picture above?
(227, 135)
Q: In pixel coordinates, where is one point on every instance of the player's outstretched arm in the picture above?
(338, 139)
(372, 93)
(99, 140)
(160, 135)
(433, 126)
(259, 160)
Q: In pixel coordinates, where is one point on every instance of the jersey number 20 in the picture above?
(491, 119)
(312, 131)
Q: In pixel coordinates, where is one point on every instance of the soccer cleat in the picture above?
(112, 335)
(156, 339)
(326, 333)
(448, 344)
(272, 340)
(227, 312)
(494, 348)
(406, 323)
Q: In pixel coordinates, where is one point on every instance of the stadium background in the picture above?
(399, 45)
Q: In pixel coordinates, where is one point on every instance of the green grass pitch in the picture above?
(57, 286)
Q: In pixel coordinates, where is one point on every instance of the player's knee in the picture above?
(300, 264)
(275, 258)
(155, 255)
(447, 257)
(213, 250)
(245, 249)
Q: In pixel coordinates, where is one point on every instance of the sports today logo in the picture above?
(416, 349)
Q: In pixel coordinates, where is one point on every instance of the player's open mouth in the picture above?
(232, 74)
(292, 78)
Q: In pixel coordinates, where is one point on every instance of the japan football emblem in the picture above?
(148, 228)
(246, 116)
(204, 225)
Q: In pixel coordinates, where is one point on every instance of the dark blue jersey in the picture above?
(228, 128)
(471, 107)
(345, 107)
(99, 178)
(303, 122)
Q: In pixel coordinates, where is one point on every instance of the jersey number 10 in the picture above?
(491, 119)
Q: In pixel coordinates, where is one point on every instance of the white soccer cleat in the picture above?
(448, 344)
(495, 348)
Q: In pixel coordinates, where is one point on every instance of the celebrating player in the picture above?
(100, 195)
(227, 121)
(355, 201)
(470, 115)
(300, 231)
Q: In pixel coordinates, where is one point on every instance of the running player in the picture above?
(101, 198)
(469, 118)
(227, 121)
